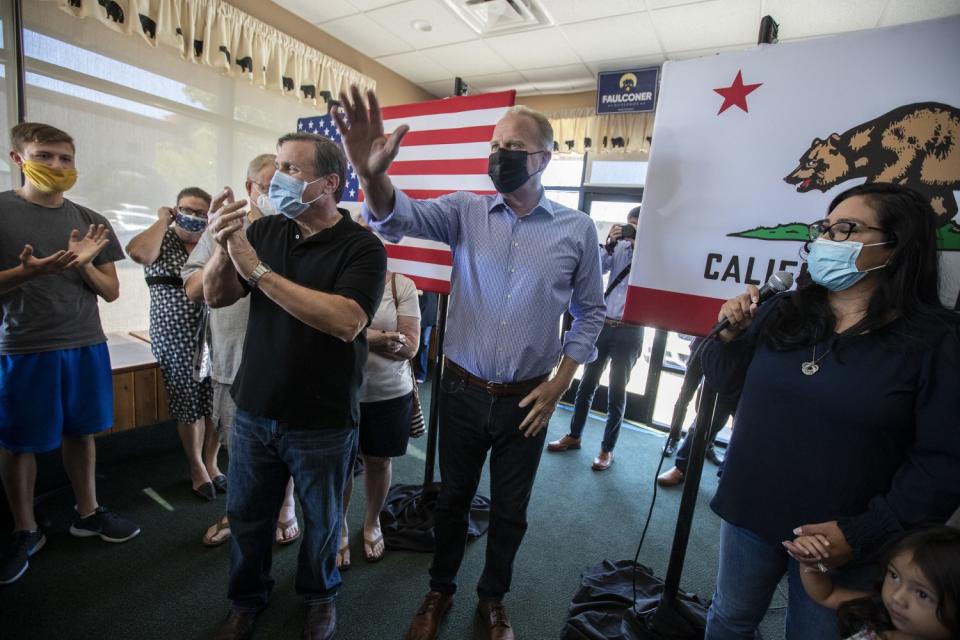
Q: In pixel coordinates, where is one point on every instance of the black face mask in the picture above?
(508, 169)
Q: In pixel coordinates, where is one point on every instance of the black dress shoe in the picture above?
(220, 483)
(206, 492)
(712, 456)
(237, 626)
(670, 447)
(321, 622)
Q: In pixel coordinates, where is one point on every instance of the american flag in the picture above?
(325, 127)
(445, 150)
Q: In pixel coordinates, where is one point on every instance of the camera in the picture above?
(627, 231)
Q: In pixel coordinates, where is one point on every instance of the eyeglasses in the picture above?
(199, 213)
(838, 231)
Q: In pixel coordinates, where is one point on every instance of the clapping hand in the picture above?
(89, 246)
(368, 149)
(34, 266)
(227, 217)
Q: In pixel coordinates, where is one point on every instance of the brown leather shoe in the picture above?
(565, 443)
(426, 623)
(603, 461)
(237, 626)
(494, 618)
(670, 478)
(321, 622)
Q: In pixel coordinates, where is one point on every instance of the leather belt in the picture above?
(521, 388)
(610, 322)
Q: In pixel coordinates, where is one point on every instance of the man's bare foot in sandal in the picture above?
(218, 533)
(373, 546)
(343, 554)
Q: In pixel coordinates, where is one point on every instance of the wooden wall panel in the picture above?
(124, 403)
(145, 396)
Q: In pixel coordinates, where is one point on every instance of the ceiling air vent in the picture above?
(488, 17)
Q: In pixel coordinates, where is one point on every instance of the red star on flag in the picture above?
(736, 94)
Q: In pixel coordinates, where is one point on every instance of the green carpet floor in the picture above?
(164, 584)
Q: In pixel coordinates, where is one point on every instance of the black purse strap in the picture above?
(617, 280)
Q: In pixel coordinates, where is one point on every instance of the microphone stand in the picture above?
(407, 517)
(665, 615)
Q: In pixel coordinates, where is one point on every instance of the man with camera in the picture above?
(619, 343)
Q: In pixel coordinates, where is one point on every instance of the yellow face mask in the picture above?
(47, 179)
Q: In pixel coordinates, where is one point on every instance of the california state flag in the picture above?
(749, 148)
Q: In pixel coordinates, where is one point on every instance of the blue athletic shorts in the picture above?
(44, 396)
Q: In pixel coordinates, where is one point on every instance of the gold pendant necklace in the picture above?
(811, 367)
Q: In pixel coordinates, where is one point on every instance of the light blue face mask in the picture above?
(286, 194)
(834, 264)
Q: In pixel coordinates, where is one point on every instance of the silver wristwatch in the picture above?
(258, 272)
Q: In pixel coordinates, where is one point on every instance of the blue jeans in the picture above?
(264, 454)
(473, 422)
(750, 570)
(621, 346)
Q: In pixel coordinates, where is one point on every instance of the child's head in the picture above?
(921, 588)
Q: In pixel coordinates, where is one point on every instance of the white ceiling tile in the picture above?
(716, 23)
(468, 58)
(447, 27)
(903, 11)
(710, 51)
(540, 48)
(367, 5)
(570, 72)
(818, 17)
(497, 82)
(440, 88)
(566, 11)
(626, 63)
(365, 35)
(414, 66)
(563, 86)
(317, 12)
(620, 37)
(663, 4)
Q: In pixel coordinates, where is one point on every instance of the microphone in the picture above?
(778, 283)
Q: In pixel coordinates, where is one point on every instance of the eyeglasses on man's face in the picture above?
(838, 231)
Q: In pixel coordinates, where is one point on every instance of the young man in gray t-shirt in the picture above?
(56, 257)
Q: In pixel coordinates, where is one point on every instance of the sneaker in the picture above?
(15, 561)
(109, 526)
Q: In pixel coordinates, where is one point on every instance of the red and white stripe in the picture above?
(445, 150)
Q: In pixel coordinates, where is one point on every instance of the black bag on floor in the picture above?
(602, 608)
(407, 517)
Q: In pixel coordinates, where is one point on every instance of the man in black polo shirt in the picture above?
(315, 278)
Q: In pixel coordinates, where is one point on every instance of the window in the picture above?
(146, 124)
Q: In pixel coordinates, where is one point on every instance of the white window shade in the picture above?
(146, 124)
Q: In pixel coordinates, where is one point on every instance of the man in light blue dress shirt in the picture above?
(619, 343)
(519, 262)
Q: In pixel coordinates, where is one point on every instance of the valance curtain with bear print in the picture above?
(579, 130)
(216, 34)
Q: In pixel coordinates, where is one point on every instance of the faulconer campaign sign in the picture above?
(749, 148)
(631, 91)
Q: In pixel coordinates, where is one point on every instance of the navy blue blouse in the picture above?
(871, 440)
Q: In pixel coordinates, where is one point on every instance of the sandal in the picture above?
(370, 546)
(218, 533)
(283, 527)
(343, 554)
